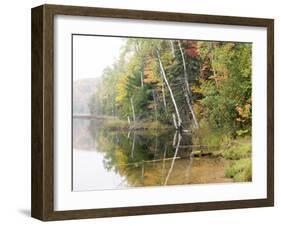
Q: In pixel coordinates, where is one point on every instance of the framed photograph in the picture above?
(141, 112)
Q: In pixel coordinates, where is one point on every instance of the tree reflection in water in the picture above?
(145, 158)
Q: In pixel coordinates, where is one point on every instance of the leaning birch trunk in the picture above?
(191, 109)
(129, 121)
(164, 98)
(174, 120)
(173, 49)
(184, 70)
(175, 139)
(188, 92)
(170, 90)
(133, 109)
(141, 74)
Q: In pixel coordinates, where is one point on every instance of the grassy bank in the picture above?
(240, 164)
(236, 151)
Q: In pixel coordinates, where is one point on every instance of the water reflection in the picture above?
(104, 159)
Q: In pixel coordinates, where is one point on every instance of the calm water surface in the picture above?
(104, 159)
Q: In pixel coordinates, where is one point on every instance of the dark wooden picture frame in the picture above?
(42, 203)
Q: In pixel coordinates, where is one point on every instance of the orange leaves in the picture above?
(192, 49)
(229, 46)
(218, 79)
(151, 106)
(149, 76)
(196, 89)
(244, 112)
(205, 70)
(121, 89)
(150, 81)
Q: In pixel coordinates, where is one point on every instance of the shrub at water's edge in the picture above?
(240, 170)
(240, 166)
(119, 124)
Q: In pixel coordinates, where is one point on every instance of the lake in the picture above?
(107, 159)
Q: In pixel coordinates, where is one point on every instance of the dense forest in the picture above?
(197, 87)
(185, 84)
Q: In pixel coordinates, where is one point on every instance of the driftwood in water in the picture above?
(200, 153)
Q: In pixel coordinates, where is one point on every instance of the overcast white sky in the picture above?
(92, 54)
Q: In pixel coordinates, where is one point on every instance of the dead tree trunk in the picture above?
(184, 70)
(187, 91)
(133, 109)
(179, 122)
(164, 98)
(173, 49)
(191, 109)
(174, 120)
(141, 74)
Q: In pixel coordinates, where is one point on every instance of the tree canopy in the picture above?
(182, 83)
